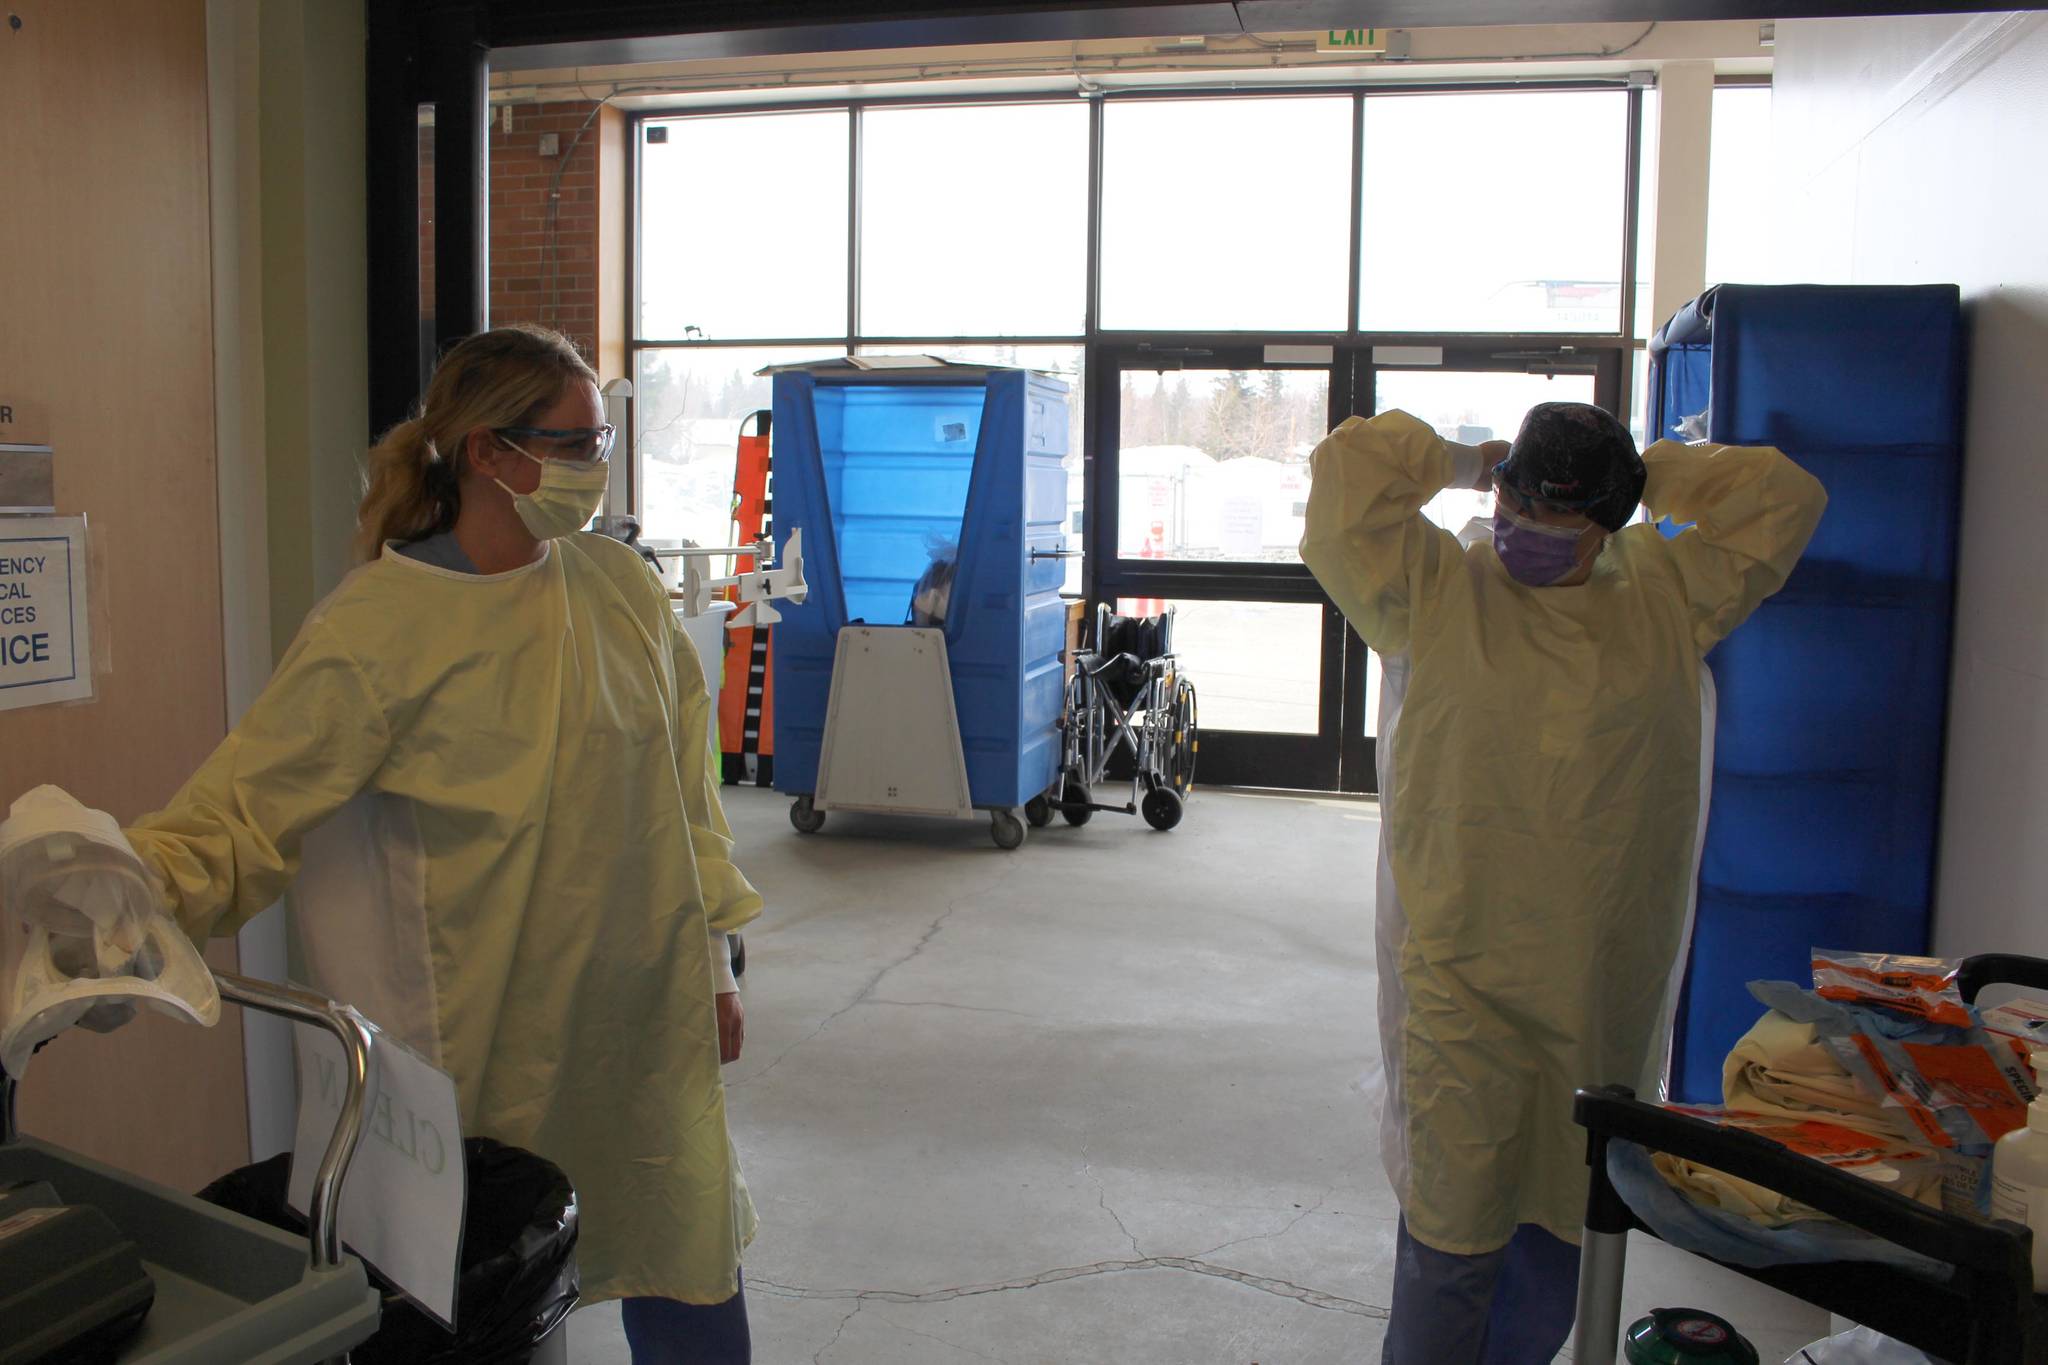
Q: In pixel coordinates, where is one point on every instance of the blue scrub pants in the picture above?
(1509, 1307)
(670, 1332)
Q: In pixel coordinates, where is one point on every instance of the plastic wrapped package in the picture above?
(518, 1279)
(933, 595)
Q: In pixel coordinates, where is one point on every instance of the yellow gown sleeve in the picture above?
(227, 846)
(1366, 540)
(1753, 511)
(730, 901)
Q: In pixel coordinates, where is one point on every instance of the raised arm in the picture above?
(1367, 541)
(1752, 512)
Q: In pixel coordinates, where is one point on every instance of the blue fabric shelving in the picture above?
(1834, 696)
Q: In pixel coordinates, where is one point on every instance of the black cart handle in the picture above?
(1994, 1248)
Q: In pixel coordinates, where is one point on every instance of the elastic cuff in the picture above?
(723, 982)
(1468, 467)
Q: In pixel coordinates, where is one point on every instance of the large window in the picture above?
(743, 226)
(1226, 214)
(974, 220)
(1497, 212)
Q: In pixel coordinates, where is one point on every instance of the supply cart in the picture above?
(1984, 1313)
(227, 1288)
(939, 486)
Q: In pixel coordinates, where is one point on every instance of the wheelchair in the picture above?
(1127, 696)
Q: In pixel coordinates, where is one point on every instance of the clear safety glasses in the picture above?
(566, 443)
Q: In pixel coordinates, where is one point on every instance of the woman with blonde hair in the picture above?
(490, 745)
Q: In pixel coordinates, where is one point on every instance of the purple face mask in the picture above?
(1533, 553)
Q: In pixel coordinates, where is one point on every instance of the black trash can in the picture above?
(518, 1281)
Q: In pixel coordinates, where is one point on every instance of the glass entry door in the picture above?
(1200, 486)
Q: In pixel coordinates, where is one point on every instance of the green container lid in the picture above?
(1686, 1336)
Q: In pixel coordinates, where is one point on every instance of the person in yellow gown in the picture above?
(489, 745)
(1541, 777)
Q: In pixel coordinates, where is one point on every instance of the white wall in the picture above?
(1911, 150)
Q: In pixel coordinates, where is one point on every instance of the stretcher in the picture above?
(1984, 1313)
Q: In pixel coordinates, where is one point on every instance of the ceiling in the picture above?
(555, 34)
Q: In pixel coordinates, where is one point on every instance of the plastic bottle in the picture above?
(2019, 1172)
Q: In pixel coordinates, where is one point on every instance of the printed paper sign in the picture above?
(402, 1203)
(1244, 528)
(45, 636)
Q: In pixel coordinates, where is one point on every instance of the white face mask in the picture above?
(569, 495)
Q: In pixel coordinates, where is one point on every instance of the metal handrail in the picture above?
(324, 1214)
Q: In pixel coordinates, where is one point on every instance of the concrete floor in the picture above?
(1096, 1100)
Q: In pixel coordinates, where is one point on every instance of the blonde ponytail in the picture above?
(409, 493)
(500, 378)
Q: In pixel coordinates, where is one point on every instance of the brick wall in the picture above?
(536, 276)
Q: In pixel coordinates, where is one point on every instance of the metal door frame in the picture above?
(1229, 757)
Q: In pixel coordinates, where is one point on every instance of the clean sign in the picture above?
(402, 1203)
(45, 635)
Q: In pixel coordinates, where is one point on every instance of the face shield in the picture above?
(83, 921)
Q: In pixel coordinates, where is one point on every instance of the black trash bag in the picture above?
(518, 1259)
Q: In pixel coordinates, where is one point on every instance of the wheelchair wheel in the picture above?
(1187, 740)
(1162, 808)
(805, 816)
(1038, 810)
(1007, 829)
(1075, 797)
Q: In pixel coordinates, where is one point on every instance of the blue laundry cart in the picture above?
(922, 675)
(1822, 827)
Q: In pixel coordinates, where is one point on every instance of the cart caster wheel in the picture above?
(1162, 808)
(738, 948)
(1038, 810)
(806, 816)
(1007, 829)
(1076, 797)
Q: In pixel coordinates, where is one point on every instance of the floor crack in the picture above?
(859, 997)
(1102, 1200)
(818, 1356)
(958, 1346)
(1292, 1224)
(1302, 1294)
(949, 1005)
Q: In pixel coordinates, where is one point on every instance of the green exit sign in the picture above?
(1351, 40)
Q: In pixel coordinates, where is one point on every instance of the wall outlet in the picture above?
(550, 144)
